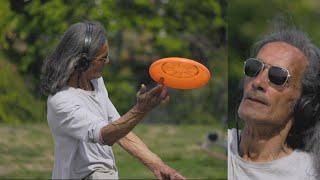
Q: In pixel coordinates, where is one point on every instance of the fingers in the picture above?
(158, 175)
(156, 90)
(161, 81)
(165, 172)
(177, 176)
(164, 92)
(173, 174)
(166, 99)
(160, 89)
(142, 90)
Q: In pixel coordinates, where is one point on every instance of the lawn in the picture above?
(27, 152)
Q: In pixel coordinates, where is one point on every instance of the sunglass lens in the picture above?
(252, 67)
(277, 75)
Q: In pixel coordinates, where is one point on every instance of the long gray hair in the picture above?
(61, 63)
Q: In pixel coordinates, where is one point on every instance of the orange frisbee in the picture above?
(179, 73)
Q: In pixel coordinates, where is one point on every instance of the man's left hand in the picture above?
(165, 172)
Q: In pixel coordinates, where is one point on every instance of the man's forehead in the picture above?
(281, 54)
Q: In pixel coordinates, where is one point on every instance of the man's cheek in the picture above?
(246, 84)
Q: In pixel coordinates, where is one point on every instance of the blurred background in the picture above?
(188, 132)
(248, 21)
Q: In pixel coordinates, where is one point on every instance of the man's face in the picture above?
(97, 64)
(264, 102)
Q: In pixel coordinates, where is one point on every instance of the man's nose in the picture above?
(260, 82)
(107, 60)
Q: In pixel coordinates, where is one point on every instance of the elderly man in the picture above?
(83, 121)
(279, 107)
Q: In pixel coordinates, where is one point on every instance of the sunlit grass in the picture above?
(27, 152)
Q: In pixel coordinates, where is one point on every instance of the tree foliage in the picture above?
(16, 102)
(139, 32)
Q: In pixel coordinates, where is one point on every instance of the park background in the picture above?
(139, 32)
(250, 20)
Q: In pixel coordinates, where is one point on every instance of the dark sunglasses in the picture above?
(277, 75)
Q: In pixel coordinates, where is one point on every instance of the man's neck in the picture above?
(79, 80)
(264, 143)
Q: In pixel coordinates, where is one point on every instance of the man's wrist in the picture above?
(137, 110)
(155, 165)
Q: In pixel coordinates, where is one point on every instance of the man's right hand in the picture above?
(147, 100)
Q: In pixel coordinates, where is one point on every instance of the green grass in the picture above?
(27, 152)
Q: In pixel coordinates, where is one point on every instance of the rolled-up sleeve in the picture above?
(68, 117)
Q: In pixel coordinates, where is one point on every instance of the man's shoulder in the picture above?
(63, 92)
(64, 95)
(302, 155)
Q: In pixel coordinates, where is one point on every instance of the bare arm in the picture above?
(119, 131)
(134, 145)
(146, 101)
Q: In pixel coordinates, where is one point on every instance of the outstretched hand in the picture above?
(147, 100)
(165, 172)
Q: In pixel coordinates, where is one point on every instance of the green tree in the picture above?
(139, 32)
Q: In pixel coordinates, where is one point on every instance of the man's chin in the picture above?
(252, 115)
